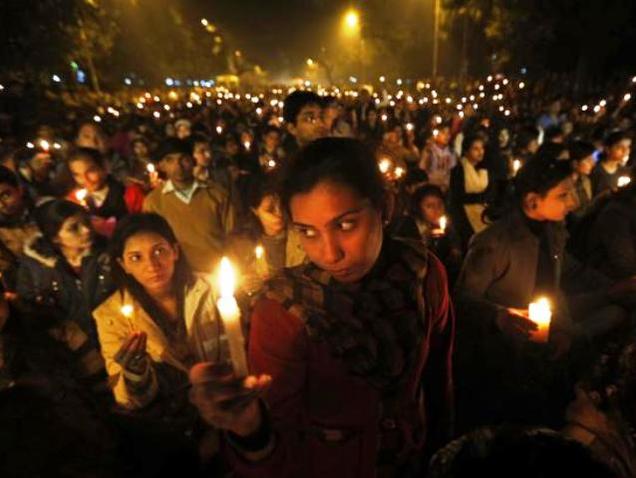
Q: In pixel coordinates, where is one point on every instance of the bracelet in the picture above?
(256, 441)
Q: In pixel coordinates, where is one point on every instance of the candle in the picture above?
(262, 269)
(624, 181)
(219, 129)
(540, 314)
(516, 166)
(231, 316)
(441, 230)
(80, 195)
(399, 172)
(247, 145)
(44, 144)
(384, 166)
(127, 310)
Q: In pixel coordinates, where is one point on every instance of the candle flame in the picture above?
(150, 168)
(624, 181)
(259, 252)
(226, 278)
(127, 310)
(81, 194)
(44, 144)
(516, 165)
(443, 222)
(399, 172)
(384, 166)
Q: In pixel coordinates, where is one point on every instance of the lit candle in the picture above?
(516, 166)
(219, 129)
(261, 264)
(399, 172)
(540, 314)
(442, 224)
(231, 316)
(128, 311)
(384, 166)
(44, 144)
(247, 145)
(624, 181)
(80, 195)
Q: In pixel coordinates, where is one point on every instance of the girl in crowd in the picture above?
(63, 275)
(512, 263)
(428, 211)
(159, 322)
(612, 166)
(106, 199)
(355, 345)
(469, 187)
(278, 245)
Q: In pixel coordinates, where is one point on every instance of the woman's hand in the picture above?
(132, 355)
(515, 323)
(226, 402)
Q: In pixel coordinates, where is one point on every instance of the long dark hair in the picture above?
(344, 161)
(538, 175)
(144, 223)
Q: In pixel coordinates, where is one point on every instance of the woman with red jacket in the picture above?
(350, 355)
(106, 199)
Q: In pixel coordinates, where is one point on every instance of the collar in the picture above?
(186, 194)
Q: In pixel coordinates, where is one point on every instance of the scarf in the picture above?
(375, 326)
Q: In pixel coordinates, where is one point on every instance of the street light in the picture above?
(351, 21)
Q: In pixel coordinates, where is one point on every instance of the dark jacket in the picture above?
(611, 244)
(48, 287)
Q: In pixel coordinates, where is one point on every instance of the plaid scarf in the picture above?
(376, 326)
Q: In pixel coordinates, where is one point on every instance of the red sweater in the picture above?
(310, 388)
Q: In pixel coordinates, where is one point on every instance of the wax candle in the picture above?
(80, 195)
(516, 166)
(231, 316)
(540, 314)
(624, 181)
(128, 311)
(262, 268)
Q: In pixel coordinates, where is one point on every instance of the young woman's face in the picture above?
(432, 209)
(557, 203)
(584, 166)
(475, 153)
(202, 154)
(151, 260)
(75, 233)
(270, 215)
(340, 231)
(620, 151)
(140, 149)
(87, 174)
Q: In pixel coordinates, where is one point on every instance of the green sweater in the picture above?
(201, 225)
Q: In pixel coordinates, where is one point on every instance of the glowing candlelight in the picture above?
(44, 144)
(384, 117)
(150, 168)
(624, 181)
(128, 311)
(443, 222)
(80, 195)
(384, 166)
(540, 314)
(409, 127)
(271, 164)
(262, 268)
(231, 316)
(516, 166)
(247, 145)
(399, 172)
(219, 130)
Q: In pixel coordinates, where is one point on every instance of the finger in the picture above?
(209, 372)
(131, 351)
(124, 347)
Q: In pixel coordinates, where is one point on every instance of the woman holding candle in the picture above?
(279, 245)
(516, 261)
(63, 275)
(107, 199)
(354, 345)
(469, 189)
(159, 322)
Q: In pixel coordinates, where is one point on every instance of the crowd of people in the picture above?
(392, 247)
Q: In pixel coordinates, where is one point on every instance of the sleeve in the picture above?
(134, 198)
(278, 347)
(479, 271)
(131, 392)
(438, 383)
(148, 205)
(618, 242)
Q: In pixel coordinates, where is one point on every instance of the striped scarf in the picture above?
(376, 325)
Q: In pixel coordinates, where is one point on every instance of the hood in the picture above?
(41, 251)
